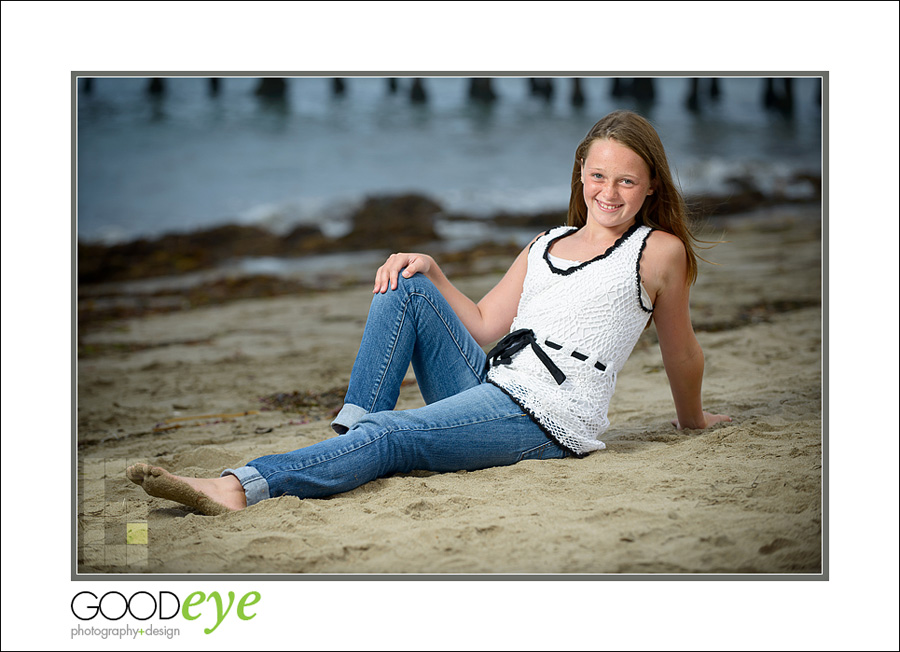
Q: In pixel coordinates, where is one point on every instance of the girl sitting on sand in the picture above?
(571, 307)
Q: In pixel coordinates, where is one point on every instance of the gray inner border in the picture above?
(75, 576)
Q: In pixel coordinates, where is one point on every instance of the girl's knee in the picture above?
(418, 284)
(415, 283)
(405, 286)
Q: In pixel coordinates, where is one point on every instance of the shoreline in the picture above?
(228, 263)
(380, 222)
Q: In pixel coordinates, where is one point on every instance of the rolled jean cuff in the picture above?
(347, 418)
(255, 486)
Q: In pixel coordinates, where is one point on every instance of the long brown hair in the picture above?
(665, 208)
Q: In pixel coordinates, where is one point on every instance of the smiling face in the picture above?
(616, 182)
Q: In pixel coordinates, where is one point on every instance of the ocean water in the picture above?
(187, 159)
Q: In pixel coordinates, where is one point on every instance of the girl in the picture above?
(571, 306)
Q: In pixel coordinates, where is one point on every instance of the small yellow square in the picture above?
(136, 533)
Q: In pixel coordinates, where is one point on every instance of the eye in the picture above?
(628, 182)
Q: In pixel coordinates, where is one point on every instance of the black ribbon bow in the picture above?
(511, 344)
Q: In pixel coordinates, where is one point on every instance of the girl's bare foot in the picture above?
(210, 496)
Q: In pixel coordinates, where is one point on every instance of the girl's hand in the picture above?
(709, 418)
(407, 264)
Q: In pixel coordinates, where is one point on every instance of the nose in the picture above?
(609, 191)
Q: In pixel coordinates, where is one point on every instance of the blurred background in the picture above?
(301, 178)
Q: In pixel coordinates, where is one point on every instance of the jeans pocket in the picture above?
(546, 451)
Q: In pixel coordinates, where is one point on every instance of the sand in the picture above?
(182, 391)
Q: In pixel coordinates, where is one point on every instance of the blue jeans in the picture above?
(467, 424)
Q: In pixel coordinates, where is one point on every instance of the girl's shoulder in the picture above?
(555, 232)
(664, 256)
(664, 244)
(548, 235)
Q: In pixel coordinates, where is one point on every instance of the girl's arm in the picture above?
(681, 352)
(487, 320)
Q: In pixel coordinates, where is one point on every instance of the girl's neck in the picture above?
(599, 235)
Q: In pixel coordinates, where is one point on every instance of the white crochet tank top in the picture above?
(586, 320)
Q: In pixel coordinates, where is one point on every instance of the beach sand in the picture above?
(183, 391)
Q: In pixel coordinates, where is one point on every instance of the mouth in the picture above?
(608, 208)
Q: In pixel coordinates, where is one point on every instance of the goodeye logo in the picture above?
(165, 605)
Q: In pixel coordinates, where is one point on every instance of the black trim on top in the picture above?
(638, 272)
(534, 242)
(571, 270)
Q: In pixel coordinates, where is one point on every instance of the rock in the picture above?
(393, 222)
(542, 220)
(173, 253)
(305, 239)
